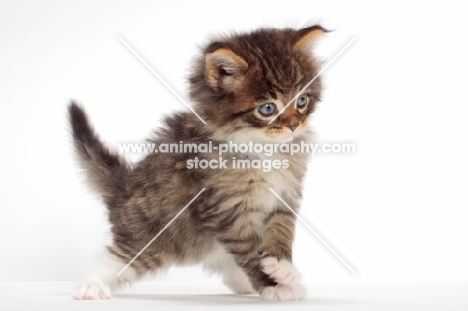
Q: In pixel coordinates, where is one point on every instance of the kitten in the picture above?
(236, 227)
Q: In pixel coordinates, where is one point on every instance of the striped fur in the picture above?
(236, 219)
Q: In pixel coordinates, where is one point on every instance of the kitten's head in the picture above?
(243, 81)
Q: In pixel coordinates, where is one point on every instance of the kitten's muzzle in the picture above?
(293, 125)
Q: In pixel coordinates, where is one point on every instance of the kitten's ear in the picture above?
(306, 38)
(223, 69)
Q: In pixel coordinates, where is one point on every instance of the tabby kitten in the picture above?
(236, 227)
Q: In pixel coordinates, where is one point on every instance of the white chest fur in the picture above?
(280, 181)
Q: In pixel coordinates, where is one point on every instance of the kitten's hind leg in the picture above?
(102, 277)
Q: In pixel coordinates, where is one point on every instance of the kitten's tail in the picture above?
(105, 170)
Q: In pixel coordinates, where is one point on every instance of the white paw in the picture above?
(282, 272)
(284, 292)
(92, 291)
(239, 284)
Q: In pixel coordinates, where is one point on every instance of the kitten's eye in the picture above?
(302, 100)
(267, 109)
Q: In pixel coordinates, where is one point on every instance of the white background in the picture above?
(396, 210)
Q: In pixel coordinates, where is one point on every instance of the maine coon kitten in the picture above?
(237, 227)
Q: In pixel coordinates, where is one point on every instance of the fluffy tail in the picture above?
(105, 170)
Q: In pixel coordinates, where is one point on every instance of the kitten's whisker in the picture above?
(160, 232)
(160, 79)
(315, 233)
(313, 79)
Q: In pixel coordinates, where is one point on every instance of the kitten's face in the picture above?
(245, 81)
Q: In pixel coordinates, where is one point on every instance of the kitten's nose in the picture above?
(293, 125)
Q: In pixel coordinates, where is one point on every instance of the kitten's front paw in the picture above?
(284, 292)
(287, 276)
(92, 291)
(282, 272)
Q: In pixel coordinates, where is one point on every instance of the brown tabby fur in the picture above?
(234, 75)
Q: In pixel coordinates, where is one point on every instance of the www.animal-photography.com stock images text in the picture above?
(207, 155)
